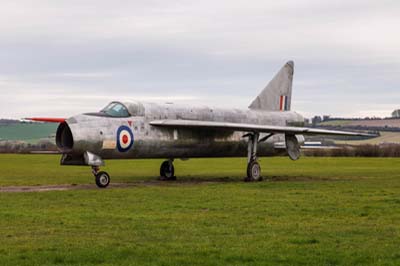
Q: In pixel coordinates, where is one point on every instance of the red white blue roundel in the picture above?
(124, 138)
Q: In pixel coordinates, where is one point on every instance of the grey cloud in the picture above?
(345, 53)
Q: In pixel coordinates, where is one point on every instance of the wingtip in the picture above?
(369, 135)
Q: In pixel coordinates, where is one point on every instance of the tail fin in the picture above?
(277, 96)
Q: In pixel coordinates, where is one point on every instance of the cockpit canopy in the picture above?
(115, 109)
(126, 109)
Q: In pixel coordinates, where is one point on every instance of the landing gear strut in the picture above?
(253, 167)
(167, 170)
(102, 178)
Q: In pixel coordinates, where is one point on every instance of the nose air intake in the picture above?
(64, 139)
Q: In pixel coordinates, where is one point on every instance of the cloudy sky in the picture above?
(60, 58)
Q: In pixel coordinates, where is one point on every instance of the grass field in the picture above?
(336, 123)
(363, 122)
(316, 211)
(27, 132)
(385, 137)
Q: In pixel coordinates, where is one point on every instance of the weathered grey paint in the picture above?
(280, 85)
(97, 134)
(95, 137)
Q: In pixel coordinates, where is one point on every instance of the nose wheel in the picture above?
(102, 178)
(167, 170)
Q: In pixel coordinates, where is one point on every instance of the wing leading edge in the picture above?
(195, 124)
(46, 119)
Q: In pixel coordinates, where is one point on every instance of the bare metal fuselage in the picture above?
(139, 130)
(98, 134)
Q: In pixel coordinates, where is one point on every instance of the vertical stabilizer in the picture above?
(277, 95)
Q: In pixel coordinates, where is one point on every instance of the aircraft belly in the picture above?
(147, 141)
(187, 149)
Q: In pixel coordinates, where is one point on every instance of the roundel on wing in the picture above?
(124, 138)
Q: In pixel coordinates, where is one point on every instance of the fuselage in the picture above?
(146, 130)
(132, 136)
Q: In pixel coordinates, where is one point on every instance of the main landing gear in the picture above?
(167, 170)
(102, 178)
(253, 167)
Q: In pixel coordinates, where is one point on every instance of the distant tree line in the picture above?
(396, 113)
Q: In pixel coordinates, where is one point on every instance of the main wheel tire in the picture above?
(253, 172)
(167, 171)
(102, 179)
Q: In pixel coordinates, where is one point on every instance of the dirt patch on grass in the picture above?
(184, 181)
(303, 179)
(44, 188)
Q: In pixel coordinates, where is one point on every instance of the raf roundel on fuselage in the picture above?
(124, 138)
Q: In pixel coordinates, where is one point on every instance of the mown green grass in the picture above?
(45, 169)
(316, 211)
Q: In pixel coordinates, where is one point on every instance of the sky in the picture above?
(60, 58)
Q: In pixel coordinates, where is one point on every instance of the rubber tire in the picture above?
(99, 182)
(253, 172)
(165, 172)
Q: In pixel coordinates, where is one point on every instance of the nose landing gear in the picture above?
(102, 178)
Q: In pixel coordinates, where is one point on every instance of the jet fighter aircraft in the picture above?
(129, 130)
